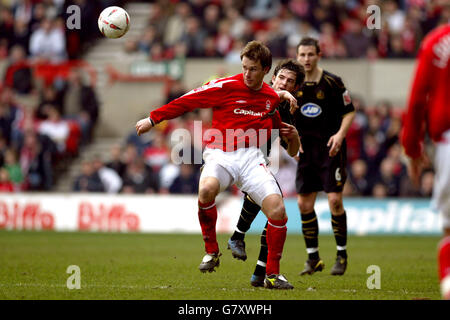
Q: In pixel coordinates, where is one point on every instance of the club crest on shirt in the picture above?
(320, 94)
(310, 110)
(268, 105)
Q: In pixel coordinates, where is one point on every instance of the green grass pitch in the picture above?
(164, 266)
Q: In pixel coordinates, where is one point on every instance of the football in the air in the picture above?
(114, 22)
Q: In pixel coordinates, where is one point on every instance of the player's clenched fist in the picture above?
(143, 125)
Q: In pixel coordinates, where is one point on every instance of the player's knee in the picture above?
(305, 206)
(336, 205)
(277, 212)
(208, 191)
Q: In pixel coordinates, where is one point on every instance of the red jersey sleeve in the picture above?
(206, 96)
(429, 94)
(412, 138)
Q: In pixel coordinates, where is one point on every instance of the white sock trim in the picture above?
(261, 263)
(237, 230)
(311, 250)
(341, 248)
(279, 227)
(208, 207)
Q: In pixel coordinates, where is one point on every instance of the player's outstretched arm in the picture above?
(286, 95)
(143, 126)
(289, 133)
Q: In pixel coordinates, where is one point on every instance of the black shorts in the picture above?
(317, 171)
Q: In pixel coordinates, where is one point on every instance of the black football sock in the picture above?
(248, 213)
(260, 269)
(339, 224)
(310, 229)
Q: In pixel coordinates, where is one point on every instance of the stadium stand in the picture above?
(44, 82)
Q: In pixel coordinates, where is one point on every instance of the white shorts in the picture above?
(441, 188)
(245, 167)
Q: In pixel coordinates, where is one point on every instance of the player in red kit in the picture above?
(244, 113)
(429, 110)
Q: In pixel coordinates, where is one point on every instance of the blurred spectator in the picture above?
(10, 116)
(6, 31)
(176, 24)
(193, 36)
(80, 103)
(18, 74)
(148, 39)
(238, 23)
(211, 16)
(304, 30)
(224, 40)
(394, 16)
(234, 55)
(89, 179)
(55, 127)
(21, 36)
(384, 110)
(379, 191)
(115, 161)
(277, 40)
(130, 153)
(395, 49)
(262, 10)
(426, 184)
(23, 10)
(49, 95)
(359, 179)
(36, 163)
(210, 48)
(186, 182)
(330, 45)
(48, 43)
(109, 177)
(13, 168)
(325, 11)
(387, 177)
(139, 178)
(372, 153)
(157, 18)
(167, 175)
(355, 41)
(157, 52)
(5, 183)
(157, 155)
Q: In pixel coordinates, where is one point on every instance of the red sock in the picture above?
(276, 236)
(207, 215)
(444, 267)
(444, 258)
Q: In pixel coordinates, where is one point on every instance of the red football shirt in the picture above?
(429, 101)
(242, 117)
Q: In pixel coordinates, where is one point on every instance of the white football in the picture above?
(114, 22)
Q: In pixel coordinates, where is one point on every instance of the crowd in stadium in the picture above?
(35, 140)
(221, 28)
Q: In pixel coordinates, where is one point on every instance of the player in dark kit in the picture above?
(324, 116)
(323, 119)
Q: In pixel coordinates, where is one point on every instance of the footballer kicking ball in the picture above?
(114, 22)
